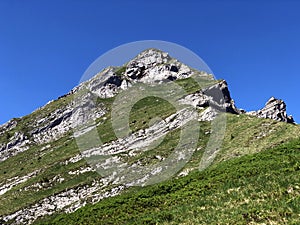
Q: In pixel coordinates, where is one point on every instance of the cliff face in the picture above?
(45, 138)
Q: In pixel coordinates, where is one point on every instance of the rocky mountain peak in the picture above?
(154, 65)
(150, 57)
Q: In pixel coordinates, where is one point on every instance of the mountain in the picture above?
(152, 123)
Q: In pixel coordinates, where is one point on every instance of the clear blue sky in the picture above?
(45, 46)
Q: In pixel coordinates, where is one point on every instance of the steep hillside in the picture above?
(65, 154)
(261, 188)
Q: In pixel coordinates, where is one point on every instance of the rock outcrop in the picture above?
(153, 65)
(274, 109)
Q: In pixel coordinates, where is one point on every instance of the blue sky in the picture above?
(45, 46)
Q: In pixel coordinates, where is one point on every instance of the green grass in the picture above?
(257, 188)
(49, 163)
(147, 110)
(36, 158)
(120, 71)
(193, 84)
(247, 134)
(105, 130)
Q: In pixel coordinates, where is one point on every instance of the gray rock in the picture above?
(208, 114)
(274, 109)
(154, 65)
(17, 143)
(8, 126)
(197, 100)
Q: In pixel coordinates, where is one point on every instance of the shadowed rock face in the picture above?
(220, 94)
(274, 109)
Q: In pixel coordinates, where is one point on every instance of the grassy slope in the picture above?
(239, 140)
(253, 189)
(49, 159)
(246, 135)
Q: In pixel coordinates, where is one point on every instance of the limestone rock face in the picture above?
(8, 126)
(274, 109)
(215, 98)
(153, 65)
(105, 84)
(208, 114)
